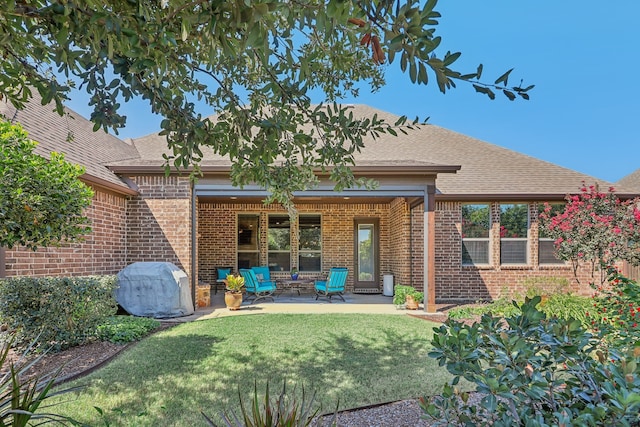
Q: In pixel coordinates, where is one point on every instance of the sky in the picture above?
(582, 57)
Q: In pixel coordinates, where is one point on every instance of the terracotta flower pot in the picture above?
(233, 300)
(410, 303)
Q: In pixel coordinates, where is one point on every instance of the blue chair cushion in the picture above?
(223, 273)
(262, 273)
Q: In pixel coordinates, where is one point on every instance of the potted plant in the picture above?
(234, 286)
(413, 299)
(294, 274)
(407, 296)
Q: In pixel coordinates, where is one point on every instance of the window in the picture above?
(514, 226)
(279, 243)
(248, 235)
(546, 246)
(310, 249)
(476, 224)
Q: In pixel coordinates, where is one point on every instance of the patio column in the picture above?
(430, 250)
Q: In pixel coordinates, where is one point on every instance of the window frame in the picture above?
(256, 251)
(527, 249)
(559, 262)
(309, 251)
(270, 251)
(487, 239)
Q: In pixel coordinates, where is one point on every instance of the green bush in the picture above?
(124, 329)
(535, 371)
(56, 312)
(561, 305)
(24, 402)
(616, 312)
(569, 306)
(501, 307)
(288, 410)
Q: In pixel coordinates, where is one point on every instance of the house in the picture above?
(453, 215)
(631, 181)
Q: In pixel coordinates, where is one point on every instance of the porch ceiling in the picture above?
(300, 200)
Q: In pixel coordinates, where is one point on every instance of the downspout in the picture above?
(193, 245)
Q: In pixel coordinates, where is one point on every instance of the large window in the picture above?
(514, 227)
(310, 249)
(476, 224)
(279, 243)
(546, 246)
(248, 235)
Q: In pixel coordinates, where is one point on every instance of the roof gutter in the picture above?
(513, 197)
(366, 169)
(120, 189)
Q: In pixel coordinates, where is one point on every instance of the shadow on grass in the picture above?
(352, 359)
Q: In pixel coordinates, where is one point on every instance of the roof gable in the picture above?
(631, 181)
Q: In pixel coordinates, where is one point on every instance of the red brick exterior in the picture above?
(156, 226)
(455, 282)
(159, 221)
(102, 252)
(217, 228)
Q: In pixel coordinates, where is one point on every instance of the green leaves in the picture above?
(42, 201)
(534, 371)
(247, 61)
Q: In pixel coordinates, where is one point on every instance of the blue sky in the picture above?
(581, 55)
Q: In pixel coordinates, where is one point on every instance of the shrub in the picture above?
(21, 400)
(501, 307)
(616, 312)
(124, 329)
(562, 305)
(401, 291)
(286, 411)
(56, 312)
(533, 370)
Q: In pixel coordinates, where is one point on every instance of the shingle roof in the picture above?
(487, 169)
(93, 150)
(631, 181)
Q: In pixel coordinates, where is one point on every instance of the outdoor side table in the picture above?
(294, 285)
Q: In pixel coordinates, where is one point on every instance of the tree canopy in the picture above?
(254, 63)
(42, 202)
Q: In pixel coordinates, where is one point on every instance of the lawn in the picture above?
(169, 378)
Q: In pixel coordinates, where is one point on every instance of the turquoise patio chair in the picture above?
(260, 289)
(334, 285)
(262, 273)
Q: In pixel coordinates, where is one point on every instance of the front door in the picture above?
(366, 255)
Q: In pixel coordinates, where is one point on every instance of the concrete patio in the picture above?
(291, 302)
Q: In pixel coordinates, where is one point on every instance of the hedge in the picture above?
(56, 312)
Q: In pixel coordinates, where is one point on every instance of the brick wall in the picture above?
(102, 252)
(159, 221)
(455, 282)
(399, 243)
(217, 228)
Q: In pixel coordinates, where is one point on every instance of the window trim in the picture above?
(247, 251)
(487, 239)
(278, 251)
(309, 251)
(559, 262)
(527, 239)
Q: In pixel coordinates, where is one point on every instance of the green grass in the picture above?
(170, 377)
